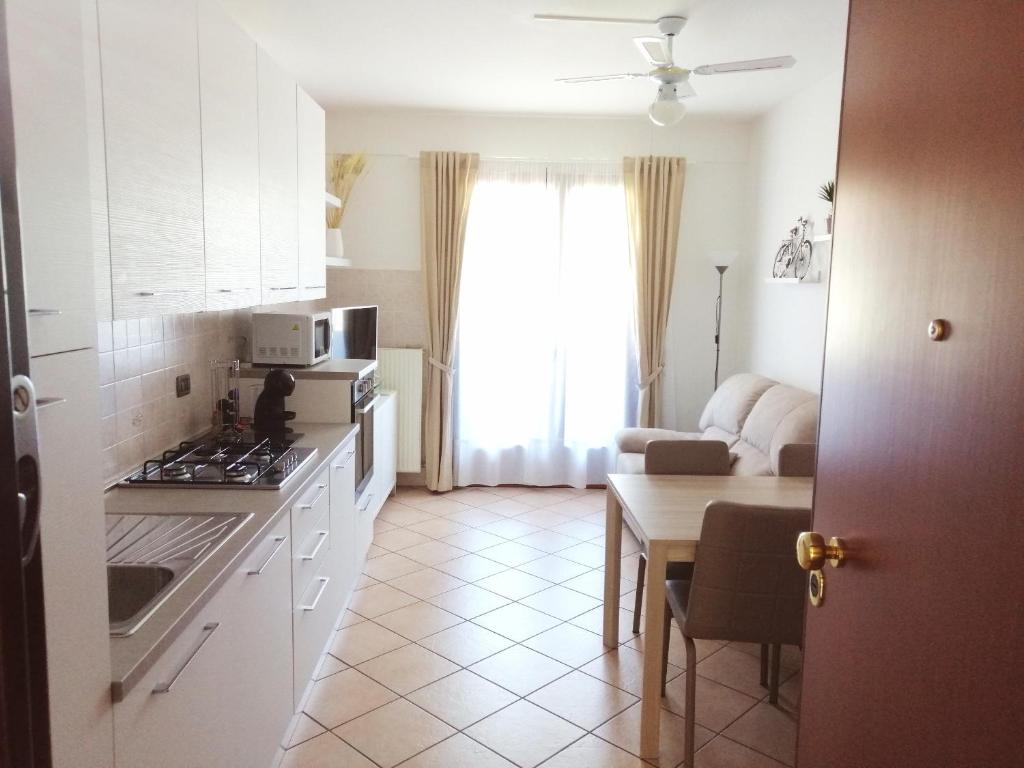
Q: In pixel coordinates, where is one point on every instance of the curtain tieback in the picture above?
(646, 383)
(441, 366)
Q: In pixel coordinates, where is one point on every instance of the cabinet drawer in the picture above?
(309, 554)
(314, 616)
(310, 507)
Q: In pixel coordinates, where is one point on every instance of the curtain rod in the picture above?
(524, 158)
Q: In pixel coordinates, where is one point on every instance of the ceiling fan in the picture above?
(673, 81)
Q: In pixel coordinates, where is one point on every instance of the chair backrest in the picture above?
(746, 584)
(796, 460)
(686, 457)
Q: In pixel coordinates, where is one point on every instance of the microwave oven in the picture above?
(290, 339)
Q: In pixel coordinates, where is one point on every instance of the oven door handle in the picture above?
(369, 406)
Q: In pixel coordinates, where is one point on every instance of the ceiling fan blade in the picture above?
(596, 78)
(654, 50)
(753, 65)
(596, 19)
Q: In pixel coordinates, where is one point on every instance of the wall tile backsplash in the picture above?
(139, 361)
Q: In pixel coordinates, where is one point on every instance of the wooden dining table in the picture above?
(665, 513)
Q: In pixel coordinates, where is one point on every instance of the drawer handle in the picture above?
(323, 490)
(46, 402)
(208, 630)
(225, 290)
(322, 535)
(45, 312)
(310, 287)
(146, 293)
(319, 594)
(280, 543)
(284, 288)
(366, 506)
(344, 461)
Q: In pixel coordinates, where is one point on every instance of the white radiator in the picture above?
(402, 371)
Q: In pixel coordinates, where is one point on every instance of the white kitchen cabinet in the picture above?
(343, 522)
(231, 160)
(150, 68)
(48, 97)
(278, 145)
(220, 695)
(73, 541)
(312, 183)
(385, 446)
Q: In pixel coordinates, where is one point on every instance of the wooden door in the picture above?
(914, 658)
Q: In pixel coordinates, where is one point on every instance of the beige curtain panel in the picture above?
(654, 197)
(446, 185)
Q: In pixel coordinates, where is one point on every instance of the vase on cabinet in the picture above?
(336, 249)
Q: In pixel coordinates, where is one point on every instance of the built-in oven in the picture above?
(364, 398)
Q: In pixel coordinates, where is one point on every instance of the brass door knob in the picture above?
(812, 551)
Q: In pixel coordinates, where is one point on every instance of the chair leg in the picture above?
(691, 700)
(639, 594)
(666, 639)
(764, 665)
(773, 690)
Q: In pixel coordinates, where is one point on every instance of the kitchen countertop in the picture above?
(132, 656)
(329, 369)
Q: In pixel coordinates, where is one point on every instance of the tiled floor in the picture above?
(474, 640)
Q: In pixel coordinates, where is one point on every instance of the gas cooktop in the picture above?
(230, 460)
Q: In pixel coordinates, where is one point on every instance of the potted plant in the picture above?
(827, 192)
(342, 171)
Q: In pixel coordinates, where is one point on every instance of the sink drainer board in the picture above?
(149, 556)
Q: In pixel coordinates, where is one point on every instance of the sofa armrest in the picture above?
(687, 457)
(634, 439)
(796, 460)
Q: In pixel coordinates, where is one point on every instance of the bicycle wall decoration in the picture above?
(793, 259)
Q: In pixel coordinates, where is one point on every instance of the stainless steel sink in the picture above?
(149, 556)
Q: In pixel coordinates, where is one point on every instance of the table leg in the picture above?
(654, 628)
(612, 569)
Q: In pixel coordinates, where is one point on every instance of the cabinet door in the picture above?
(279, 256)
(231, 160)
(343, 521)
(48, 95)
(312, 185)
(73, 544)
(221, 693)
(150, 67)
(385, 445)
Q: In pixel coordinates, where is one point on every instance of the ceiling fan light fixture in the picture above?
(667, 109)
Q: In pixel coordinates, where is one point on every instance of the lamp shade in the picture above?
(666, 112)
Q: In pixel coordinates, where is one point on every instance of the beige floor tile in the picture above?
(466, 643)
(426, 583)
(345, 696)
(302, 728)
(574, 508)
(433, 552)
(462, 699)
(325, 751)
(767, 729)
(378, 599)
(520, 669)
(514, 584)
(553, 568)
(593, 621)
(511, 553)
(471, 567)
(543, 517)
(438, 528)
(329, 666)
(382, 526)
(473, 540)
(582, 700)
(791, 656)
(592, 583)
(568, 644)
(592, 752)
(412, 493)
(474, 517)
(348, 618)
(624, 669)
(475, 497)
(717, 704)
(390, 566)
(365, 581)
(721, 752)
(738, 670)
(399, 539)
(581, 530)
(548, 541)
(561, 603)
(510, 528)
(507, 507)
(509, 491)
(458, 752)
(543, 497)
(624, 731)
(469, 601)
(362, 642)
(394, 733)
(585, 554)
(525, 734)
(375, 551)
(407, 669)
(516, 622)
(399, 514)
(440, 506)
(676, 648)
(418, 620)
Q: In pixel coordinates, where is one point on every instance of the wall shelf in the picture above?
(822, 239)
(331, 200)
(336, 263)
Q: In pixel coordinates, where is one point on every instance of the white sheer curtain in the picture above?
(545, 366)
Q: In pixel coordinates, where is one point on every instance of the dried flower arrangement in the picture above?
(343, 171)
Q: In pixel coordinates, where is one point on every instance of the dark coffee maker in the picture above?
(270, 416)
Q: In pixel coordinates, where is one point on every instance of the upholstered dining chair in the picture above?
(678, 457)
(746, 587)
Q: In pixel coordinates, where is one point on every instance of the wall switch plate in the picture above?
(183, 384)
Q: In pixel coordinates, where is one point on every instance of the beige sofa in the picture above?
(769, 428)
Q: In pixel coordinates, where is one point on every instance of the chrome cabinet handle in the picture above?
(46, 402)
(366, 506)
(308, 287)
(259, 571)
(146, 293)
(344, 461)
(322, 535)
(225, 290)
(284, 288)
(208, 630)
(45, 312)
(319, 594)
(323, 490)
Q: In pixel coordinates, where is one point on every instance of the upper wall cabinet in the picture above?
(278, 186)
(312, 183)
(150, 66)
(231, 161)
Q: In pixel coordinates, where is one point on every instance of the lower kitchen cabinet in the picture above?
(385, 447)
(221, 694)
(344, 565)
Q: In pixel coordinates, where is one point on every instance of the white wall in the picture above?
(382, 227)
(793, 152)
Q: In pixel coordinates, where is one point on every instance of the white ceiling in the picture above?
(491, 56)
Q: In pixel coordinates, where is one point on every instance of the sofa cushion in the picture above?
(799, 426)
(635, 439)
(630, 464)
(732, 402)
(716, 433)
(770, 413)
(749, 460)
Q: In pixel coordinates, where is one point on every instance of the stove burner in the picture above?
(177, 472)
(237, 474)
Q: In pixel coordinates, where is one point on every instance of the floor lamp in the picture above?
(721, 260)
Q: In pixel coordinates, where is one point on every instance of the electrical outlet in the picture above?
(183, 384)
